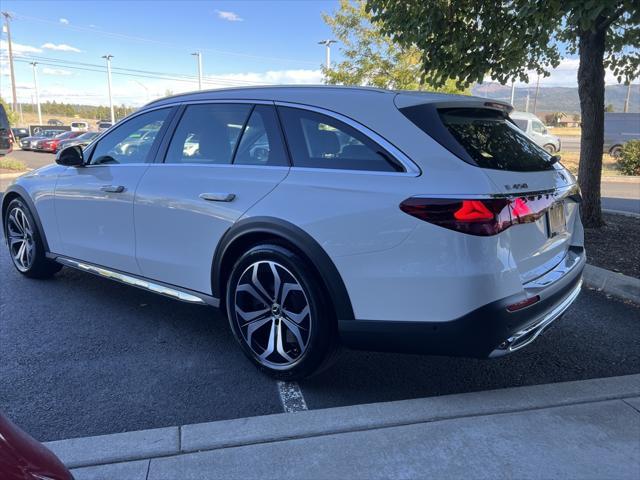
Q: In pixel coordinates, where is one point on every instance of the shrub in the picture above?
(629, 160)
(12, 164)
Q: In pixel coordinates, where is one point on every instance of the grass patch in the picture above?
(571, 160)
(565, 131)
(12, 164)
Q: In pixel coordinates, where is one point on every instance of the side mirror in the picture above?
(71, 157)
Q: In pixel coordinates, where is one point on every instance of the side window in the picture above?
(319, 141)
(130, 142)
(537, 127)
(522, 124)
(207, 133)
(261, 142)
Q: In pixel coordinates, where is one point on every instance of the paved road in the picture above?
(570, 143)
(83, 355)
(33, 159)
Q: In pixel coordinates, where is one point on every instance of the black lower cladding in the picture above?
(475, 334)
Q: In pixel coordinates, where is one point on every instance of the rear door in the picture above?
(221, 159)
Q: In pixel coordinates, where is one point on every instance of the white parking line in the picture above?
(291, 397)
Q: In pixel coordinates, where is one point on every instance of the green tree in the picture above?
(371, 58)
(11, 115)
(609, 108)
(471, 39)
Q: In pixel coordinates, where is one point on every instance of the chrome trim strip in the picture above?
(173, 292)
(411, 168)
(538, 327)
(563, 192)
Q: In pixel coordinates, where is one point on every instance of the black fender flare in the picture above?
(272, 226)
(26, 198)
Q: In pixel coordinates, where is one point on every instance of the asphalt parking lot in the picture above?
(81, 355)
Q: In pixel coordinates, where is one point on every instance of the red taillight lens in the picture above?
(514, 307)
(476, 217)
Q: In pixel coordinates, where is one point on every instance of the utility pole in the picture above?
(526, 104)
(513, 91)
(628, 97)
(535, 99)
(108, 58)
(327, 44)
(7, 17)
(35, 86)
(199, 55)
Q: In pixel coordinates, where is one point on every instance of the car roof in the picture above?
(320, 96)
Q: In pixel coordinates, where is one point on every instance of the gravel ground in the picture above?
(615, 246)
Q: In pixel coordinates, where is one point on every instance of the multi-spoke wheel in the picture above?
(25, 245)
(278, 312)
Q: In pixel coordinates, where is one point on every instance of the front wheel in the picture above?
(279, 313)
(616, 151)
(550, 148)
(25, 245)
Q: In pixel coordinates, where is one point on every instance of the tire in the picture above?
(616, 151)
(289, 334)
(550, 148)
(25, 244)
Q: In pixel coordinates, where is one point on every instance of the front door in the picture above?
(94, 203)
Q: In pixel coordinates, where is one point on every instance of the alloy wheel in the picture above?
(20, 237)
(272, 314)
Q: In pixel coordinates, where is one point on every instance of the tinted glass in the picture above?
(130, 142)
(208, 133)
(261, 142)
(522, 124)
(537, 127)
(319, 141)
(494, 142)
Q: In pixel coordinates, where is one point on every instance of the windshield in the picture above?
(87, 136)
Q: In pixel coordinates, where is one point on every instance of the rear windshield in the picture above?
(482, 137)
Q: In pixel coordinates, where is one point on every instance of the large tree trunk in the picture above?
(591, 92)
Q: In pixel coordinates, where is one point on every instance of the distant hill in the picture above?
(558, 99)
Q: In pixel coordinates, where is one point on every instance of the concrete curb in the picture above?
(612, 283)
(140, 445)
(621, 212)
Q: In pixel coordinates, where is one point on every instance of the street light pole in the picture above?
(199, 55)
(7, 17)
(327, 43)
(108, 57)
(535, 99)
(628, 97)
(513, 91)
(35, 85)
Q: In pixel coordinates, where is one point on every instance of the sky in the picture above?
(242, 43)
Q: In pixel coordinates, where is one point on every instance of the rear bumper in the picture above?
(489, 331)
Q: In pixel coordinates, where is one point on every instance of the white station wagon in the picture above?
(318, 216)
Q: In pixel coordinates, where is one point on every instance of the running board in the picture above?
(183, 295)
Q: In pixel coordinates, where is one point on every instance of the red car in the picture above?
(51, 144)
(23, 458)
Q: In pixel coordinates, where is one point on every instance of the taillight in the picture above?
(484, 217)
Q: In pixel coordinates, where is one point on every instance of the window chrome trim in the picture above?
(411, 168)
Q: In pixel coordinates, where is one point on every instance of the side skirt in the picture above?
(182, 294)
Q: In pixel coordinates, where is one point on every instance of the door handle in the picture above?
(112, 188)
(218, 197)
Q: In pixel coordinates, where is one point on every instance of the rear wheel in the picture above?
(616, 151)
(25, 244)
(279, 313)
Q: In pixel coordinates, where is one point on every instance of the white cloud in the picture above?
(64, 21)
(62, 47)
(56, 71)
(18, 48)
(271, 77)
(229, 16)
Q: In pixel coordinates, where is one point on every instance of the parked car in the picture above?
(538, 131)
(51, 144)
(102, 126)
(30, 143)
(619, 128)
(415, 222)
(55, 122)
(24, 458)
(79, 126)
(81, 140)
(6, 135)
(20, 133)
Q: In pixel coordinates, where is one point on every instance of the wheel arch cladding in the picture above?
(16, 191)
(259, 230)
